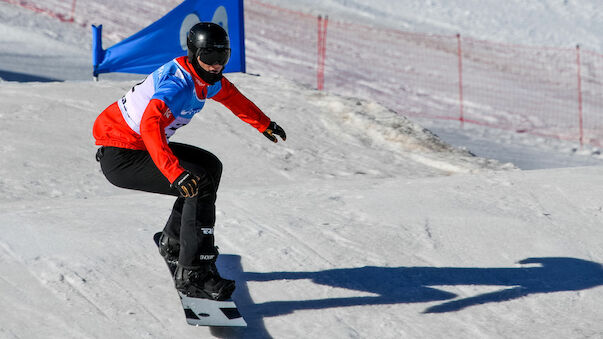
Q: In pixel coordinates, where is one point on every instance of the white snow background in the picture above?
(363, 224)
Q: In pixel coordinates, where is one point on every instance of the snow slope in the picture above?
(561, 23)
(361, 225)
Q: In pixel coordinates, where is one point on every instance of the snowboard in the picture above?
(206, 312)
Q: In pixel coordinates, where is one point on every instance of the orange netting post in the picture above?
(322, 51)
(580, 116)
(460, 57)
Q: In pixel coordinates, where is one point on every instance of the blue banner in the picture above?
(165, 39)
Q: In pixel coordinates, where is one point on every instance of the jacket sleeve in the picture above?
(242, 107)
(155, 119)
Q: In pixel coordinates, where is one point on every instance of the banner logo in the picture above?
(188, 22)
(221, 17)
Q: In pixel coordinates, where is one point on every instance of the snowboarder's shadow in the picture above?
(393, 285)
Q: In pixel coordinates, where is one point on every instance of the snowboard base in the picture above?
(207, 312)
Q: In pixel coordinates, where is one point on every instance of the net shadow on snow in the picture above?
(24, 77)
(395, 285)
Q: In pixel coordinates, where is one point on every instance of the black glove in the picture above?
(187, 184)
(273, 129)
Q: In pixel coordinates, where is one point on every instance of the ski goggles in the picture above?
(212, 56)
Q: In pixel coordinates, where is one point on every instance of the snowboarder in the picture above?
(135, 153)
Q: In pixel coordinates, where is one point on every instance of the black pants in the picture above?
(192, 219)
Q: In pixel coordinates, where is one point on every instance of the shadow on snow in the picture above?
(23, 77)
(394, 285)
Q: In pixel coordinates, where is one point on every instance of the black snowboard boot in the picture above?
(203, 282)
(169, 250)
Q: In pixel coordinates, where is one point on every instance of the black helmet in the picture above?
(209, 42)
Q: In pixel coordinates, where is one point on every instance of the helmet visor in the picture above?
(212, 56)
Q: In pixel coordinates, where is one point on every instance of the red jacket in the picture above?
(166, 100)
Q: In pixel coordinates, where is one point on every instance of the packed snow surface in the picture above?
(363, 224)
